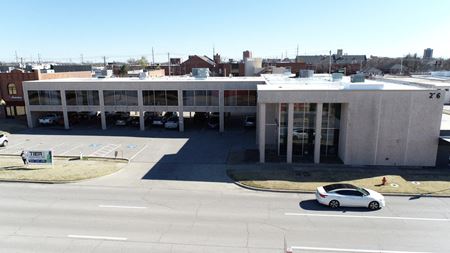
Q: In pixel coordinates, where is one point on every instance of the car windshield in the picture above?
(251, 119)
(363, 191)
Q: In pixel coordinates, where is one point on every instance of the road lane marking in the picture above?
(125, 207)
(353, 250)
(366, 217)
(98, 237)
(140, 151)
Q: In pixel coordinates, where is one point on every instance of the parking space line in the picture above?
(366, 217)
(105, 150)
(67, 151)
(95, 237)
(57, 145)
(352, 250)
(140, 151)
(11, 146)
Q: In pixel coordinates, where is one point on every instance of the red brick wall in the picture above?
(16, 77)
(77, 74)
(194, 62)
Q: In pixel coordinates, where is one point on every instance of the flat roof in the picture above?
(422, 80)
(154, 79)
(323, 82)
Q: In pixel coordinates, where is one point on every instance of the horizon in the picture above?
(54, 31)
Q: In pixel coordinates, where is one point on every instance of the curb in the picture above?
(312, 192)
(92, 157)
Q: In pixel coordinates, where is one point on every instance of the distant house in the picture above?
(372, 71)
(196, 61)
(397, 69)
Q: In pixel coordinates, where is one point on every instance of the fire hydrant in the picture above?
(383, 181)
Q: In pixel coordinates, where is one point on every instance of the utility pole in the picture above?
(104, 61)
(296, 56)
(153, 57)
(214, 51)
(329, 68)
(168, 60)
(401, 65)
(39, 58)
(17, 57)
(82, 60)
(21, 61)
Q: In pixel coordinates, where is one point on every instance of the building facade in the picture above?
(304, 120)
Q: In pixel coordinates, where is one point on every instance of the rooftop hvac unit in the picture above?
(200, 72)
(336, 77)
(306, 73)
(357, 78)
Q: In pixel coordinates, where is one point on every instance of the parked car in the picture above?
(336, 195)
(299, 134)
(134, 121)
(250, 121)
(213, 122)
(49, 119)
(158, 121)
(3, 140)
(172, 123)
(121, 121)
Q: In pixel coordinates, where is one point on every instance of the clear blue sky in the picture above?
(120, 29)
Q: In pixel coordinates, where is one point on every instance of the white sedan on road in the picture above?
(336, 195)
(3, 140)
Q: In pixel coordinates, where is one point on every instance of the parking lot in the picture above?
(201, 145)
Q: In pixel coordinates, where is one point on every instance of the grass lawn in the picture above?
(308, 179)
(63, 170)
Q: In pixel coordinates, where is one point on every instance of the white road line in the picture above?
(125, 207)
(366, 217)
(103, 151)
(57, 145)
(140, 151)
(10, 146)
(67, 151)
(352, 250)
(98, 237)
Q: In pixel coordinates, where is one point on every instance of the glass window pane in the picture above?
(70, 97)
(131, 97)
(93, 97)
(160, 97)
(242, 98)
(213, 97)
(188, 98)
(252, 97)
(108, 96)
(172, 97)
(200, 98)
(230, 97)
(33, 97)
(148, 97)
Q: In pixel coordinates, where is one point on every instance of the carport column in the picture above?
(141, 111)
(262, 132)
(64, 109)
(102, 109)
(221, 111)
(318, 133)
(27, 108)
(290, 130)
(180, 111)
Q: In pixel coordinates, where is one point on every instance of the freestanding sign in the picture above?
(39, 157)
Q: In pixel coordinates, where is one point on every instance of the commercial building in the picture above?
(11, 88)
(317, 119)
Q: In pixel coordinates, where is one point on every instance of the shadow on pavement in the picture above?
(313, 205)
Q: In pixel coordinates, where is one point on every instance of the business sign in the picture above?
(40, 157)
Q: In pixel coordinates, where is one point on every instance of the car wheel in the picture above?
(5, 143)
(334, 204)
(374, 205)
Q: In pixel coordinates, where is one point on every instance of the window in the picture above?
(108, 96)
(200, 98)
(240, 97)
(213, 97)
(33, 97)
(120, 97)
(188, 98)
(230, 97)
(160, 97)
(148, 97)
(172, 97)
(12, 90)
(44, 97)
(71, 97)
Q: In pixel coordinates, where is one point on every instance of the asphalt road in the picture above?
(94, 218)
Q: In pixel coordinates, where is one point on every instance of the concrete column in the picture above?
(27, 107)
(180, 111)
(290, 130)
(221, 111)
(64, 109)
(318, 133)
(141, 111)
(262, 132)
(102, 109)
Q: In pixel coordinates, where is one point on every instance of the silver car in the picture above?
(336, 195)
